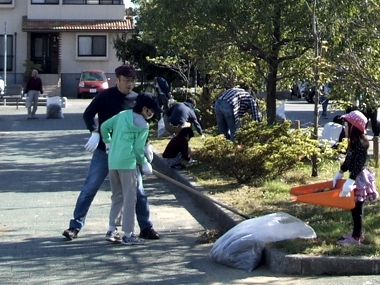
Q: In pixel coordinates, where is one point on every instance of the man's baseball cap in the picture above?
(147, 99)
(125, 70)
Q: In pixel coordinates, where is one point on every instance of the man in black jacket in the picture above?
(107, 104)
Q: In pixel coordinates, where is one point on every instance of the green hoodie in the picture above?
(127, 141)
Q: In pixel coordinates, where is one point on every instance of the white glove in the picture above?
(337, 177)
(107, 148)
(147, 168)
(348, 186)
(148, 152)
(93, 142)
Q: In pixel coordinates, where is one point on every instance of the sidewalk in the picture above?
(42, 168)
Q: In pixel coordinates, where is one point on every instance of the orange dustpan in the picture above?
(323, 194)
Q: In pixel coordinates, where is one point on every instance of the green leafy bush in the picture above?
(262, 152)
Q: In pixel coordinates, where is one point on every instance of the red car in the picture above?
(91, 82)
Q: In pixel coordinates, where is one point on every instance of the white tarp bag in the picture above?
(280, 112)
(161, 131)
(242, 246)
(53, 108)
(330, 134)
(28, 101)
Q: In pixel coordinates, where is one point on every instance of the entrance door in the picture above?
(44, 51)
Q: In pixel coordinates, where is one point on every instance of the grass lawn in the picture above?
(273, 196)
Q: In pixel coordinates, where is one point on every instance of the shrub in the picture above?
(261, 152)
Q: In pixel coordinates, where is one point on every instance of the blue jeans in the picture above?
(325, 102)
(225, 119)
(97, 173)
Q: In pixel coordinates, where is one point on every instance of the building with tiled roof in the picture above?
(63, 36)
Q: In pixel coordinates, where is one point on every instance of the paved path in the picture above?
(43, 165)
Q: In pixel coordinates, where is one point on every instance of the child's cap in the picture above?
(147, 99)
(357, 119)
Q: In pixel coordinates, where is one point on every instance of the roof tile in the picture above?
(76, 25)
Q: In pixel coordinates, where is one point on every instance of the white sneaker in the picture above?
(350, 240)
(133, 240)
(113, 236)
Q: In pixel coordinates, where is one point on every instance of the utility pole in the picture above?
(5, 54)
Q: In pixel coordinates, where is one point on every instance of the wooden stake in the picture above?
(376, 150)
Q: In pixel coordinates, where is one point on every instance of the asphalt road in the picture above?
(299, 109)
(42, 168)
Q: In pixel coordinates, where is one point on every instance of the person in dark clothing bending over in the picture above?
(182, 115)
(177, 152)
(232, 105)
(162, 91)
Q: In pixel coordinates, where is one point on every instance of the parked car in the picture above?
(91, 82)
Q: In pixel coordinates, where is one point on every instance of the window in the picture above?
(92, 46)
(94, 2)
(9, 53)
(74, 2)
(6, 2)
(45, 1)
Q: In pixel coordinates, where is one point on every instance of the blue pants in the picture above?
(225, 119)
(96, 175)
(325, 102)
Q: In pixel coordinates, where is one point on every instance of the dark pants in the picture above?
(357, 217)
(163, 101)
(372, 115)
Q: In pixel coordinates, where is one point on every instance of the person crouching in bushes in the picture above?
(177, 152)
(361, 179)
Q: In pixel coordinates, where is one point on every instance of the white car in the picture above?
(2, 86)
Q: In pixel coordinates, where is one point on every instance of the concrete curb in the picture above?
(225, 220)
(306, 265)
(275, 260)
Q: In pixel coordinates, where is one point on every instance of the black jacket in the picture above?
(107, 104)
(180, 113)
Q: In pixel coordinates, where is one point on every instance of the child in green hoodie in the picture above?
(125, 135)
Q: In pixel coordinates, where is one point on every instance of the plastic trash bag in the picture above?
(330, 134)
(160, 128)
(280, 112)
(54, 108)
(161, 131)
(28, 101)
(242, 246)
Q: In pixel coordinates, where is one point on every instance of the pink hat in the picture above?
(357, 119)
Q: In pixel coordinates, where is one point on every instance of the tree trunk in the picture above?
(271, 92)
(314, 158)
(272, 61)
